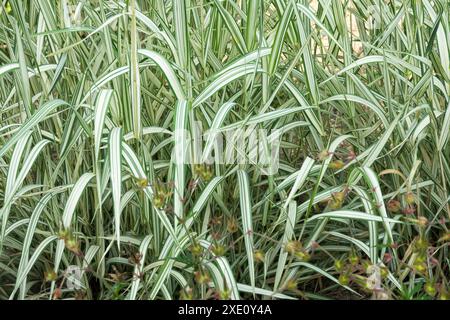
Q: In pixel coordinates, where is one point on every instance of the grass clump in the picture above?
(105, 195)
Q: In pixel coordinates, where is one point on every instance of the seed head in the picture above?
(158, 201)
(422, 221)
(334, 204)
(344, 279)
(445, 237)
(322, 155)
(73, 245)
(384, 272)
(410, 198)
(142, 182)
(196, 249)
(291, 285)
(339, 196)
(367, 266)
(219, 250)
(420, 267)
(443, 295)
(63, 234)
(353, 259)
(393, 206)
(421, 258)
(201, 277)
(409, 210)
(258, 255)
(293, 246)
(50, 275)
(186, 294)
(430, 288)
(421, 244)
(224, 294)
(232, 225)
(336, 164)
(303, 255)
(339, 265)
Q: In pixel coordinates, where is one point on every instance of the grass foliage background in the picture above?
(91, 93)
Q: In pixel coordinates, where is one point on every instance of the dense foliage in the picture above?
(95, 202)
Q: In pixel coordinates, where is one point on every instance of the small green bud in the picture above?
(344, 279)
